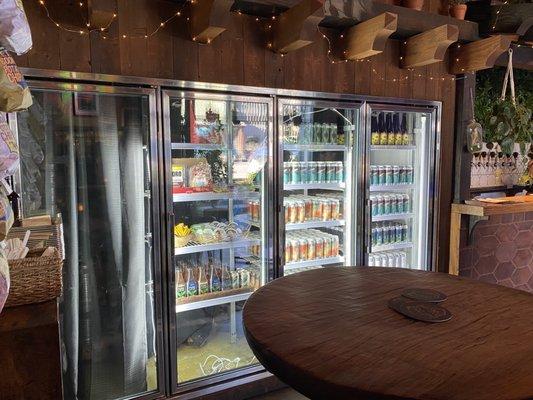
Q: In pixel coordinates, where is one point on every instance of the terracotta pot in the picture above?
(458, 11)
(414, 4)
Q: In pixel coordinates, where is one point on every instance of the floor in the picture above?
(283, 394)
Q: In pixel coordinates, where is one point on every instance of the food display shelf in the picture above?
(314, 147)
(389, 188)
(303, 186)
(391, 217)
(197, 248)
(392, 147)
(314, 263)
(393, 246)
(206, 196)
(208, 300)
(198, 146)
(313, 224)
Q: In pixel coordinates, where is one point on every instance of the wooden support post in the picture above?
(367, 38)
(296, 27)
(478, 55)
(209, 18)
(455, 242)
(429, 47)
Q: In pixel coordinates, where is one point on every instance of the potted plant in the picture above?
(458, 9)
(413, 4)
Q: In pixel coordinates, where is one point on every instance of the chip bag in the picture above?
(9, 150)
(14, 92)
(15, 33)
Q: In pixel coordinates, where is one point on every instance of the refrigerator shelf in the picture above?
(197, 248)
(222, 298)
(314, 263)
(313, 224)
(302, 186)
(391, 217)
(394, 246)
(391, 147)
(314, 147)
(199, 146)
(389, 188)
(206, 196)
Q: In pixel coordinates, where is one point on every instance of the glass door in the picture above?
(318, 183)
(400, 174)
(219, 156)
(89, 158)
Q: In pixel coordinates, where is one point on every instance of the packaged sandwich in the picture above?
(15, 33)
(14, 92)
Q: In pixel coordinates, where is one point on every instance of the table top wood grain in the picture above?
(329, 334)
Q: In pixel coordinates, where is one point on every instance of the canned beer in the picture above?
(301, 211)
(374, 175)
(405, 233)
(312, 172)
(287, 172)
(288, 251)
(321, 172)
(311, 249)
(319, 247)
(295, 250)
(379, 236)
(403, 174)
(296, 172)
(398, 232)
(373, 206)
(409, 174)
(393, 204)
(335, 209)
(303, 172)
(303, 249)
(335, 246)
(317, 209)
(374, 237)
(331, 172)
(326, 210)
(327, 246)
(406, 203)
(381, 175)
(384, 259)
(396, 174)
(381, 205)
(339, 171)
(293, 212)
(371, 260)
(403, 257)
(388, 175)
(386, 205)
(390, 260)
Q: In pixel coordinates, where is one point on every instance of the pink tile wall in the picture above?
(501, 251)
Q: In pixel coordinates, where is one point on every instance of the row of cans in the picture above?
(391, 174)
(310, 244)
(389, 233)
(295, 172)
(311, 133)
(387, 204)
(311, 208)
(388, 259)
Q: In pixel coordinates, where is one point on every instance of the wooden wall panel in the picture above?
(239, 56)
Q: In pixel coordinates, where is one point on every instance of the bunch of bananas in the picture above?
(182, 230)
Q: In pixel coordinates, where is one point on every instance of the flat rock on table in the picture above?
(330, 334)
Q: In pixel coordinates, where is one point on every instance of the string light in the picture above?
(105, 28)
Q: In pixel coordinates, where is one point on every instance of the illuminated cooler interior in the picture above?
(416, 155)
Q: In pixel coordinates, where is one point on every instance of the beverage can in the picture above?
(377, 260)
(331, 172)
(335, 206)
(321, 172)
(403, 174)
(333, 133)
(371, 260)
(399, 232)
(319, 247)
(311, 249)
(287, 172)
(373, 206)
(388, 175)
(317, 209)
(303, 249)
(335, 246)
(406, 203)
(312, 172)
(296, 173)
(379, 236)
(393, 204)
(295, 250)
(409, 174)
(374, 236)
(381, 175)
(384, 259)
(403, 257)
(308, 208)
(339, 171)
(288, 251)
(326, 210)
(405, 233)
(386, 205)
(396, 174)
(390, 260)
(293, 212)
(327, 246)
(301, 211)
(381, 205)
(303, 172)
(374, 176)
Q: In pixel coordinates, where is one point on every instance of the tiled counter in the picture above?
(499, 249)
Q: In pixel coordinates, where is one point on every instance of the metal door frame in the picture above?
(155, 184)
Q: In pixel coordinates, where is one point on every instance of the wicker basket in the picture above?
(34, 279)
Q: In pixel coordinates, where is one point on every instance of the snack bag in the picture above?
(9, 150)
(15, 33)
(14, 92)
(4, 279)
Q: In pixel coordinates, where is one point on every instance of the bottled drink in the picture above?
(391, 136)
(398, 134)
(382, 128)
(374, 131)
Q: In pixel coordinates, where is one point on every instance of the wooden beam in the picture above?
(429, 47)
(100, 13)
(367, 38)
(297, 27)
(478, 55)
(209, 18)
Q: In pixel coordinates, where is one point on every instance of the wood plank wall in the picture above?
(239, 56)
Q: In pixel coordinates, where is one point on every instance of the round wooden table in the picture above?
(329, 334)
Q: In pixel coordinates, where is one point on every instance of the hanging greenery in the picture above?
(504, 122)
